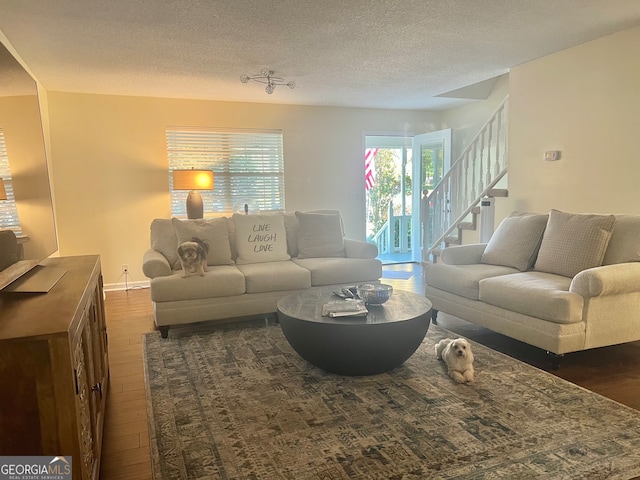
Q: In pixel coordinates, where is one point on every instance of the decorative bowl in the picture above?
(374, 293)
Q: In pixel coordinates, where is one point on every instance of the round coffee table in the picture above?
(377, 343)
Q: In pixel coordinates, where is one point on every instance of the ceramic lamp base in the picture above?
(195, 208)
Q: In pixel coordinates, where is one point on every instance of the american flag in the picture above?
(369, 168)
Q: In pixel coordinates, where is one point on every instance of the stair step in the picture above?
(466, 226)
(452, 240)
(498, 192)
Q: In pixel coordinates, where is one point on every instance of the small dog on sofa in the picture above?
(193, 257)
(457, 355)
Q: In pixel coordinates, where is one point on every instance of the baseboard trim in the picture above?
(110, 287)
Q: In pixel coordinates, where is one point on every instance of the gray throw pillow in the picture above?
(320, 235)
(214, 232)
(164, 239)
(574, 242)
(624, 245)
(516, 241)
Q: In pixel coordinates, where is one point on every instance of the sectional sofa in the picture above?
(559, 281)
(253, 261)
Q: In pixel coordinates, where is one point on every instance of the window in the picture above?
(248, 167)
(8, 211)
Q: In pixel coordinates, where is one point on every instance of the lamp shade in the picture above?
(192, 180)
(3, 192)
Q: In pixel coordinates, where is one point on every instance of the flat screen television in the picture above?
(22, 129)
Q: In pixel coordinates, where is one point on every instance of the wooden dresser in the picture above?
(54, 368)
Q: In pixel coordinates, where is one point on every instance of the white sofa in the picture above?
(254, 260)
(562, 282)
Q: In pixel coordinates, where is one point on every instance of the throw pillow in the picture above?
(214, 232)
(574, 242)
(624, 246)
(320, 235)
(164, 239)
(260, 238)
(516, 241)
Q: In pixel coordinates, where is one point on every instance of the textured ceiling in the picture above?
(364, 53)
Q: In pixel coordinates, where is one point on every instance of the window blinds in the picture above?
(248, 167)
(8, 211)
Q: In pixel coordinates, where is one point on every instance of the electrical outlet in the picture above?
(125, 268)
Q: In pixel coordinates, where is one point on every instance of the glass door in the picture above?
(388, 173)
(433, 159)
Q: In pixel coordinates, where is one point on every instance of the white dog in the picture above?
(458, 357)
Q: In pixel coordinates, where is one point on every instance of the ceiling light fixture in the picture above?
(266, 77)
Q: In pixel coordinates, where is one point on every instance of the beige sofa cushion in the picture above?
(260, 238)
(624, 245)
(536, 294)
(574, 242)
(333, 270)
(320, 235)
(218, 281)
(274, 276)
(462, 280)
(212, 231)
(516, 241)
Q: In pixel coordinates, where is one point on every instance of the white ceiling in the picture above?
(360, 53)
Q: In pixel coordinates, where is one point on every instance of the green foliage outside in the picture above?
(388, 185)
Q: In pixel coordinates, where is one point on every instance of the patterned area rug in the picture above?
(239, 403)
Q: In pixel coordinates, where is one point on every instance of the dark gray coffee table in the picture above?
(377, 343)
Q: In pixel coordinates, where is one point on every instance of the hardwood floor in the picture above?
(613, 372)
(126, 439)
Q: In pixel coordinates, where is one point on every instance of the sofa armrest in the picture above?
(463, 254)
(155, 264)
(359, 249)
(616, 279)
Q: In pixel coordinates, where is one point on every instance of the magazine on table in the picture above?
(344, 308)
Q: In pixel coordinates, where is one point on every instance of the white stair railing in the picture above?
(393, 236)
(476, 171)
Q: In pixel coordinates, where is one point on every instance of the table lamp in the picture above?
(193, 180)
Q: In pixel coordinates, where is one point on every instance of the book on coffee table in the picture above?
(344, 308)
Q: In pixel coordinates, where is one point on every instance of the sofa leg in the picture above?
(434, 315)
(554, 360)
(164, 332)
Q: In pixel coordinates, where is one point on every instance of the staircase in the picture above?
(453, 205)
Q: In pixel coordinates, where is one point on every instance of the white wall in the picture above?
(584, 101)
(465, 122)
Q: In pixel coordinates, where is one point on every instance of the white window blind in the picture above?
(248, 167)
(8, 211)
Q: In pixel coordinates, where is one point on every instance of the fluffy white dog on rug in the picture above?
(457, 355)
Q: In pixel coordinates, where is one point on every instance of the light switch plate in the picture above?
(552, 155)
